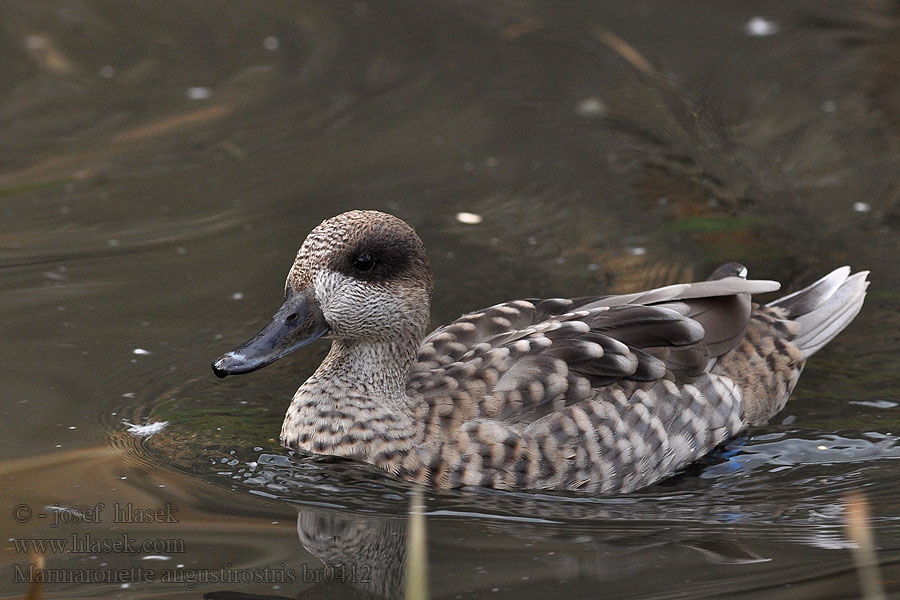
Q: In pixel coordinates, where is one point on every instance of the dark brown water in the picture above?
(160, 163)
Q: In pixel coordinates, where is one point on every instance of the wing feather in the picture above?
(529, 357)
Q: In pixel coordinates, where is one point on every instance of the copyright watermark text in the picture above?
(117, 513)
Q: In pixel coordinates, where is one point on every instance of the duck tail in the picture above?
(825, 308)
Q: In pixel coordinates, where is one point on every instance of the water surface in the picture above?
(161, 164)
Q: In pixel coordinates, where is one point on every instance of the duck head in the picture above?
(361, 276)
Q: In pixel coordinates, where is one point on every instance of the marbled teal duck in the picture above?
(602, 393)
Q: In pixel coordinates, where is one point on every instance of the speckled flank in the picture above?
(530, 412)
(603, 394)
(765, 364)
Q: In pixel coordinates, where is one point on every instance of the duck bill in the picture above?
(298, 322)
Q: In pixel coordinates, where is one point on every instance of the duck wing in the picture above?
(521, 360)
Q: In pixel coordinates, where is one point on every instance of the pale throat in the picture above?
(356, 395)
(374, 368)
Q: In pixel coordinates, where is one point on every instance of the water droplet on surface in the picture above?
(591, 107)
(198, 93)
(469, 218)
(760, 27)
(35, 42)
(875, 403)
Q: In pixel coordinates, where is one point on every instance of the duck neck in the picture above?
(374, 368)
(356, 404)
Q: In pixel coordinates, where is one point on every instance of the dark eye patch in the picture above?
(377, 258)
(379, 250)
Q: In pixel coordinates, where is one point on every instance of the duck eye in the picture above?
(364, 262)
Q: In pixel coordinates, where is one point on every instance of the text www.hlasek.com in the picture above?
(85, 543)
